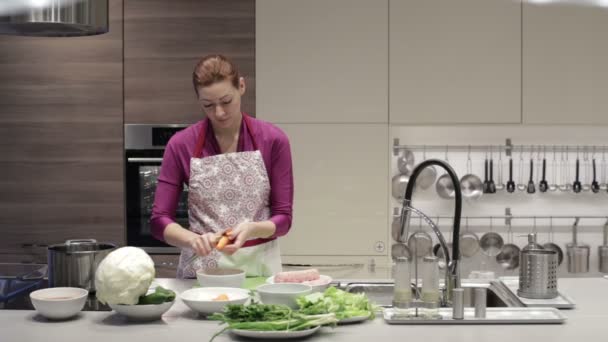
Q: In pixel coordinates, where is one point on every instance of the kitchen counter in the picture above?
(588, 320)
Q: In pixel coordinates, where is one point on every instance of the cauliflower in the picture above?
(124, 275)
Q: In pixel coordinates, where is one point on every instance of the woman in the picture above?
(239, 174)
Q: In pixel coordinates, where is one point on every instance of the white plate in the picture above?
(325, 281)
(274, 334)
(355, 319)
(201, 299)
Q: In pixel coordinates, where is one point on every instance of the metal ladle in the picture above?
(405, 162)
(521, 186)
(469, 242)
(491, 243)
(471, 185)
(565, 171)
(553, 246)
(508, 258)
(398, 185)
(553, 185)
(420, 243)
(500, 185)
(587, 163)
(444, 185)
(428, 175)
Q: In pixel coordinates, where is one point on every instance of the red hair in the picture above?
(214, 68)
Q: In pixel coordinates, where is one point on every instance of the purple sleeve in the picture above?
(168, 191)
(281, 184)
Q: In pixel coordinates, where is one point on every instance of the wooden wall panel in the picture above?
(61, 117)
(163, 42)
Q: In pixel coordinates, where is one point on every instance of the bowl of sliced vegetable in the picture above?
(151, 306)
(208, 300)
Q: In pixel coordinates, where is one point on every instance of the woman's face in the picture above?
(221, 102)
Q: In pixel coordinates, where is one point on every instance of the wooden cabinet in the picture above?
(565, 74)
(322, 61)
(341, 195)
(163, 42)
(61, 140)
(455, 61)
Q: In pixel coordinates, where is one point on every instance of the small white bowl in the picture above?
(148, 312)
(220, 277)
(318, 285)
(201, 299)
(59, 302)
(283, 293)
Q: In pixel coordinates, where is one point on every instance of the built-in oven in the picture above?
(144, 148)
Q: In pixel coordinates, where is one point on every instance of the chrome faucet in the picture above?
(452, 272)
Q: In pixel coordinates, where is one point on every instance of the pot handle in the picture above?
(34, 275)
(80, 241)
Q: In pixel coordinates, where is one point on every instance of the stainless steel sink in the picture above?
(381, 293)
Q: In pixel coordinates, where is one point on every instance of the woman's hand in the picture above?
(238, 236)
(203, 244)
(247, 231)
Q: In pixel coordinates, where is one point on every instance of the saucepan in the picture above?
(74, 263)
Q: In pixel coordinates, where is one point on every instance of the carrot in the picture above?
(222, 297)
(222, 243)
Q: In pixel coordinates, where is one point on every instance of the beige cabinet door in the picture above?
(341, 192)
(565, 69)
(320, 61)
(455, 61)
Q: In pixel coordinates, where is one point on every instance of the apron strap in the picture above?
(200, 142)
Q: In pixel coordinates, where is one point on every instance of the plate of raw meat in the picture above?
(310, 277)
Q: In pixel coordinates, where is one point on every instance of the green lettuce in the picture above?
(341, 303)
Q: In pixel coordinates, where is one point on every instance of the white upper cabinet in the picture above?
(340, 190)
(455, 61)
(565, 64)
(320, 61)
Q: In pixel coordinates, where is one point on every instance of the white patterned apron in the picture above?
(225, 190)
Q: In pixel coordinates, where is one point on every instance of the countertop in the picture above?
(588, 320)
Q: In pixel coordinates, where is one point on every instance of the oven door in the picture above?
(142, 170)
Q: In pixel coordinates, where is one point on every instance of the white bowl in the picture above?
(318, 285)
(283, 293)
(201, 299)
(146, 312)
(220, 277)
(59, 302)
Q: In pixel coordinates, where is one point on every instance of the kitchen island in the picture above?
(588, 320)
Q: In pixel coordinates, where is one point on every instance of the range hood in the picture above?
(53, 18)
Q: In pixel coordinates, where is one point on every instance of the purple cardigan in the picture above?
(175, 171)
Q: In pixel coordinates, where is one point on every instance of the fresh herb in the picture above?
(159, 296)
(266, 317)
(343, 304)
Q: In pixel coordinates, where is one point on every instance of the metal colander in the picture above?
(537, 272)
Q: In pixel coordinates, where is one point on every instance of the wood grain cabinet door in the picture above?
(164, 40)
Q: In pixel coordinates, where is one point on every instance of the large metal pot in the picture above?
(74, 263)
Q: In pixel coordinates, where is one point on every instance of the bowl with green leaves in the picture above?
(150, 306)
